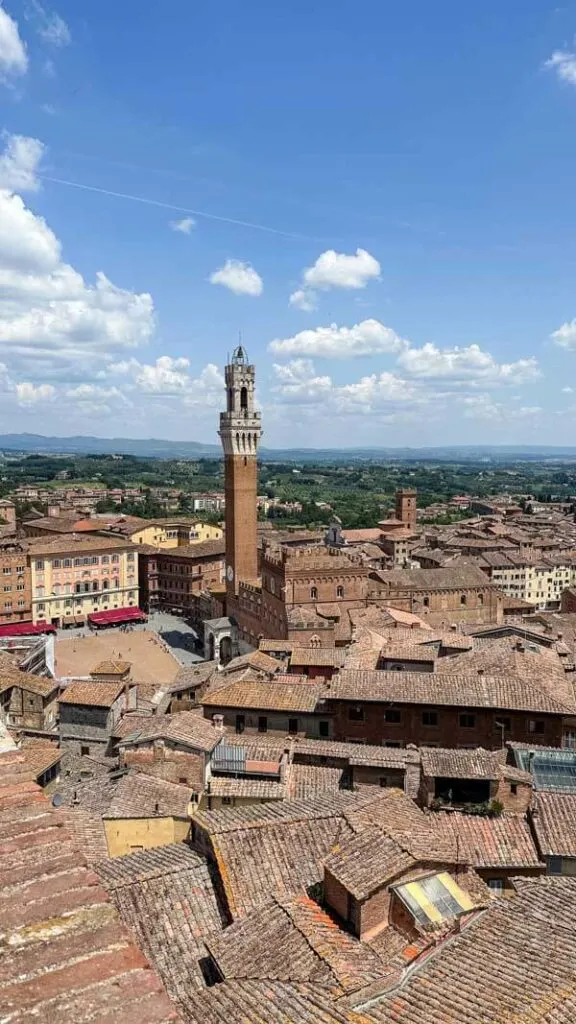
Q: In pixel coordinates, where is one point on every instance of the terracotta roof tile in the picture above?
(265, 1002)
(554, 823)
(184, 727)
(447, 690)
(265, 696)
(291, 938)
(137, 795)
(100, 695)
(166, 897)
(504, 842)
(66, 955)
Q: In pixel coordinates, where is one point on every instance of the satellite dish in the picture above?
(57, 800)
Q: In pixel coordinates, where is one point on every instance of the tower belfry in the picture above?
(240, 432)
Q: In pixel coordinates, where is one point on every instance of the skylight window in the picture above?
(434, 899)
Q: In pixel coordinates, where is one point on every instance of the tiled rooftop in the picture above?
(290, 938)
(448, 690)
(554, 822)
(137, 795)
(504, 842)
(66, 956)
(184, 727)
(264, 696)
(265, 1002)
(167, 899)
(101, 695)
(515, 964)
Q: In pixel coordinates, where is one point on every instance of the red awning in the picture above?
(116, 616)
(26, 629)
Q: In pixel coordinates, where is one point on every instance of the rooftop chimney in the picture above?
(218, 722)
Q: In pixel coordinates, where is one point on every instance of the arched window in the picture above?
(230, 400)
(313, 593)
(244, 398)
(339, 591)
(95, 585)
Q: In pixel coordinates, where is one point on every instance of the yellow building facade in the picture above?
(127, 835)
(75, 575)
(175, 533)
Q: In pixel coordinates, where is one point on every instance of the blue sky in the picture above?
(379, 196)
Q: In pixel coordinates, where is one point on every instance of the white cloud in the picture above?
(298, 382)
(49, 25)
(51, 321)
(19, 163)
(564, 64)
(30, 394)
(565, 336)
(340, 270)
(567, 390)
(335, 270)
(13, 57)
(465, 364)
(369, 337)
(303, 300)
(184, 226)
(239, 277)
(167, 376)
(171, 377)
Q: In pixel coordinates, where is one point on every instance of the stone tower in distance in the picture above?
(406, 506)
(240, 432)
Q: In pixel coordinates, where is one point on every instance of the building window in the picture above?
(324, 729)
(426, 601)
(554, 865)
(339, 591)
(39, 566)
(85, 751)
(21, 603)
(56, 563)
(313, 593)
(240, 723)
(429, 718)
(115, 558)
(514, 788)
(293, 726)
(463, 599)
(262, 724)
(94, 560)
(86, 560)
(356, 714)
(536, 725)
(392, 743)
(77, 561)
(105, 559)
(67, 563)
(95, 585)
(392, 715)
(228, 801)
(496, 884)
(480, 598)
(467, 721)
(7, 571)
(182, 780)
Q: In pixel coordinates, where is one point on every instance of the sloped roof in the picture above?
(144, 796)
(514, 964)
(67, 956)
(184, 727)
(290, 938)
(266, 1002)
(452, 578)
(265, 696)
(504, 842)
(554, 822)
(449, 690)
(166, 897)
(100, 695)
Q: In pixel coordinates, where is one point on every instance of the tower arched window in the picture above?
(230, 399)
(243, 398)
(313, 593)
(339, 591)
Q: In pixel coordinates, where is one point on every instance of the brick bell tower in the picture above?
(240, 432)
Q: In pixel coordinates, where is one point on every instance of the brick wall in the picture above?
(335, 895)
(167, 763)
(448, 732)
